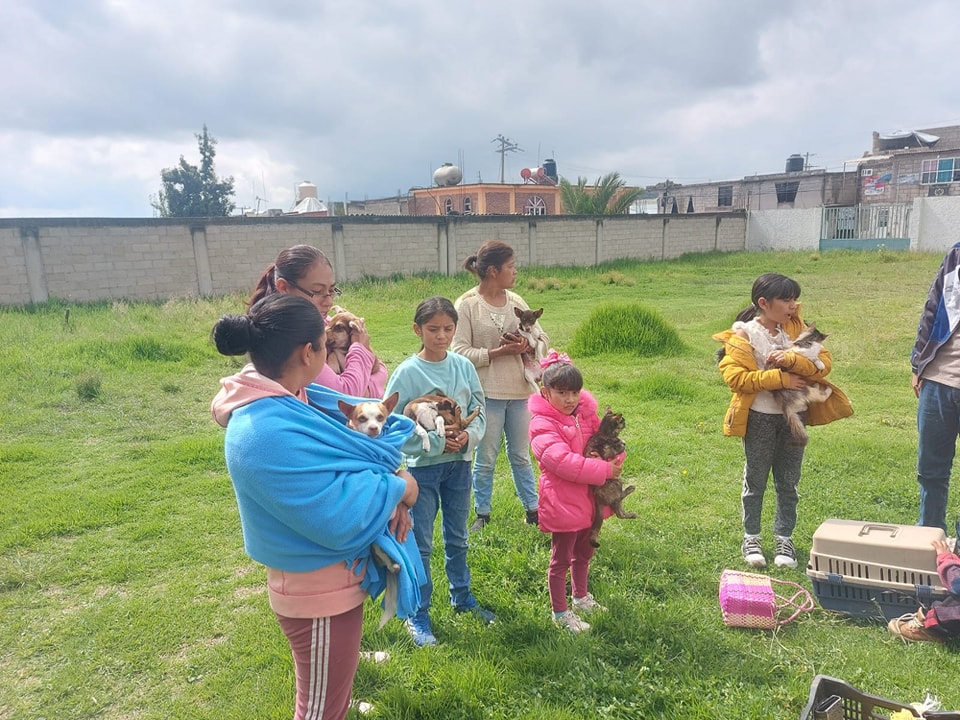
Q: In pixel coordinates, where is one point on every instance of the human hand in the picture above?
(794, 382)
(455, 443)
(412, 489)
(916, 383)
(358, 332)
(401, 522)
(616, 469)
(776, 358)
(940, 546)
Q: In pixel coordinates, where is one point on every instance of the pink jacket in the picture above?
(557, 440)
(356, 380)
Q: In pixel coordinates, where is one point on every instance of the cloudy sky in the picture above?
(366, 98)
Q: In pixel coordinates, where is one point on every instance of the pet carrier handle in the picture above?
(868, 528)
(801, 600)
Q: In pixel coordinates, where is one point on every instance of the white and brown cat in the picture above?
(792, 403)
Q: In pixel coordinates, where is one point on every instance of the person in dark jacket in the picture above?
(935, 361)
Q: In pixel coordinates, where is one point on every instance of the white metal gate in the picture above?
(866, 223)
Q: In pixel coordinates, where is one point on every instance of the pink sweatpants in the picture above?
(326, 652)
(573, 551)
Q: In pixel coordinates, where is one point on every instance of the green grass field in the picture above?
(125, 591)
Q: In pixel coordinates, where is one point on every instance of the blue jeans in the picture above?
(508, 419)
(445, 488)
(938, 424)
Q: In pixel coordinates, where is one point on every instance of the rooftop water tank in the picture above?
(447, 175)
(550, 169)
(304, 190)
(795, 163)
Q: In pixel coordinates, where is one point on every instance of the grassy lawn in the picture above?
(125, 591)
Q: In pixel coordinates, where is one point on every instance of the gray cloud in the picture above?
(367, 97)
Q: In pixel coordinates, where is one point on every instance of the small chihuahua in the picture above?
(606, 444)
(527, 329)
(368, 417)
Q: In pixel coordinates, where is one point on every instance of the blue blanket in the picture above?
(313, 492)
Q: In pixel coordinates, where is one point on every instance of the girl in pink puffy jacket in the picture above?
(563, 417)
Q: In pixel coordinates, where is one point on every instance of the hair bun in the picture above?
(235, 334)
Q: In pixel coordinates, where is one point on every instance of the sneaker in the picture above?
(533, 517)
(587, 604)
(786, 554)
(569, 621)
(480, 522)
(419, 628)
(375, 656)
(910, 627)
(362, 707)
(753, 552)
(485, 615)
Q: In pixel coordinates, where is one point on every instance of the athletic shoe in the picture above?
(375, 656)
(533, 517)
(485, 615)
(480, 523)
(753, 552)
(587, 604)
(569, 621)
(786, 554)
(419, 628)
(910, 627)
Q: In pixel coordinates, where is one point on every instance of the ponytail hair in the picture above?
(273, 329)
(291, 265)
(770, 286)
(492, 254)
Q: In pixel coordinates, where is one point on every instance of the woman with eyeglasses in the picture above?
(305, 271)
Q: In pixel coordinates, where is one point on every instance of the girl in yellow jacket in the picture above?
(756, 361)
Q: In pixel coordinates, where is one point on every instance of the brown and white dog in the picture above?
(438, 412)
(527, 329)
(368, 417)
(340, 329)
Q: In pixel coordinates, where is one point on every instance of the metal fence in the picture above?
(866, 222)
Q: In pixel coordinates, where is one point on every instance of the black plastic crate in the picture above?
(856, 705)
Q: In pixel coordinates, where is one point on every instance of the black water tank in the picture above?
(795, 163)
(550, 169)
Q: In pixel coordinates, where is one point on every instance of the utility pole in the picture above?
(806, 160)
(506, 145)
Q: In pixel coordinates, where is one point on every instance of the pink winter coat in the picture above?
(557, 440)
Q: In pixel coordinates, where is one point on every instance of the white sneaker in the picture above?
(375, 656)
(752, 552)
(587, 604)
(786, 556)
(571, 622)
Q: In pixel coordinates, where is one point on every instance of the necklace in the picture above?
(498, 319)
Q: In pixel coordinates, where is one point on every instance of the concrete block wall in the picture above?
(96, 259)
(622, 238)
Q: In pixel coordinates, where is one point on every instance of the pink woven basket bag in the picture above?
(748, 600)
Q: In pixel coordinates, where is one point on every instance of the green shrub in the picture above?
(89, 386)
(625, 329)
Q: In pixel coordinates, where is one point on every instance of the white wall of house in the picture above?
(934, 224)
(784, 229)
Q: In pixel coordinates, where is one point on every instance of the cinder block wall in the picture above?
(89, 259)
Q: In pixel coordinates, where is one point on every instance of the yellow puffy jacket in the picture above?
(739, 369)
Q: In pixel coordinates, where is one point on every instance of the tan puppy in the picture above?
(340, 330)
(368, 417)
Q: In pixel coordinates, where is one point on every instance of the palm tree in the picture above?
(609, 196)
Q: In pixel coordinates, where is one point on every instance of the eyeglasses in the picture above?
(333, 292)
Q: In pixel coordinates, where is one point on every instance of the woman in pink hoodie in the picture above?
(305, 271)
(564, 416)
